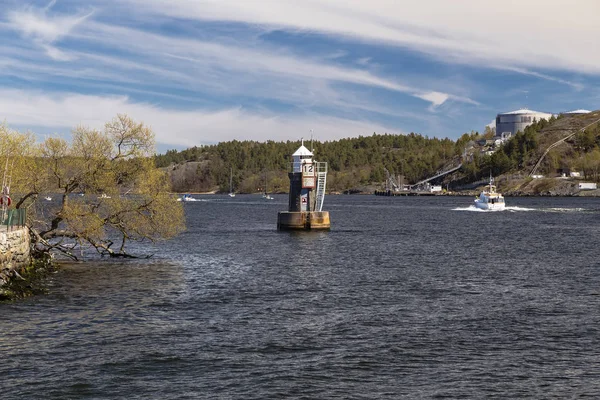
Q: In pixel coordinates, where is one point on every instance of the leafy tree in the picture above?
(110, 192)
(586, 140)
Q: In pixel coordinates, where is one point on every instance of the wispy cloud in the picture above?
(215, 64)
(174, 127)
(352, 65)
(462, 31)
(575, 85)
(45, 28)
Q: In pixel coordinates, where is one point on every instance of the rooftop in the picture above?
(580, 111)
(523, 111)
(302, 151)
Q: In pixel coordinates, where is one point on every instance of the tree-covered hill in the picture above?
(362, 162)
(352, 162)
(541, 141)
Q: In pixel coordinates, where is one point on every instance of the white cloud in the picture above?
(575, 85)
(193, 62)
(436, 98)
(536, 33)
(45, 29)
(174, 127)
(213, 58)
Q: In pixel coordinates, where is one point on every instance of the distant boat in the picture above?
(266, 194)
(231, 194)
(48, 198)
(186, 197)
(104, 196)
(489, 199)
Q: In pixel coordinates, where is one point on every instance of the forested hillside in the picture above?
(579, 152)
(361, 162)
(352, 162)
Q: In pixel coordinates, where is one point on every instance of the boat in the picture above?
(186, 197)
(104, 196)
(266, 194)
(48, 198)
(231, 194)
(489, 199)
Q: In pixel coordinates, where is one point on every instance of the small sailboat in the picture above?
(266, 194)
(231, 194)
(489, 199)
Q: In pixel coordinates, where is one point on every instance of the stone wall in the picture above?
(14, 252)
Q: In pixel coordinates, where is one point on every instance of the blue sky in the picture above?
(204, 71)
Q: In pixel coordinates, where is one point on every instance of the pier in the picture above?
(421, 188)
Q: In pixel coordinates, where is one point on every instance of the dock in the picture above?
(393, 193)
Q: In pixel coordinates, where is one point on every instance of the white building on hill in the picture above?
(509, 123)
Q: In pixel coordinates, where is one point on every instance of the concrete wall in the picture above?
(14, 252)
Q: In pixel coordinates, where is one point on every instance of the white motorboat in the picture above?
(186, 197)
(48, 198)
(489, 199)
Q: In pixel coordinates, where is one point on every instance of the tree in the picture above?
(489, 132)
(109, 189)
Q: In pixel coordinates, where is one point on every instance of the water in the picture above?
(403, 298)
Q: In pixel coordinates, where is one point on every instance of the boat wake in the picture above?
(523, 209)
(565, 210)
(515, 208)
(475, 209)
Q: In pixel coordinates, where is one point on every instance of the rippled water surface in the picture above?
(403, 298)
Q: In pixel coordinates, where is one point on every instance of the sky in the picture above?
(205, 71)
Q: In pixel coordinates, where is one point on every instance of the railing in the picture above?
(321, 182)
(14, 218)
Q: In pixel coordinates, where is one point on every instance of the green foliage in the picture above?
(126, 197)
(589, 164)
(588, 139)
(352, 162)
(355, 162)
(513, 155)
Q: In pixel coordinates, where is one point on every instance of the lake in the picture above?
(405, 297)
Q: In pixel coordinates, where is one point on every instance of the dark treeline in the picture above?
(352, 162)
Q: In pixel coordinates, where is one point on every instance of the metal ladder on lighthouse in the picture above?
(321, 182)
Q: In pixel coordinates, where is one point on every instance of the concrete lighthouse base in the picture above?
(303, 220)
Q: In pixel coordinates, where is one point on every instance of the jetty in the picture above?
(421, 188)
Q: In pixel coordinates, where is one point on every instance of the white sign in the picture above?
(308, 169)
(308, 182)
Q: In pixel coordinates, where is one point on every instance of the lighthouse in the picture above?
(307, 192)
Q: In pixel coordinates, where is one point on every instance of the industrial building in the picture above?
(509, 123)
